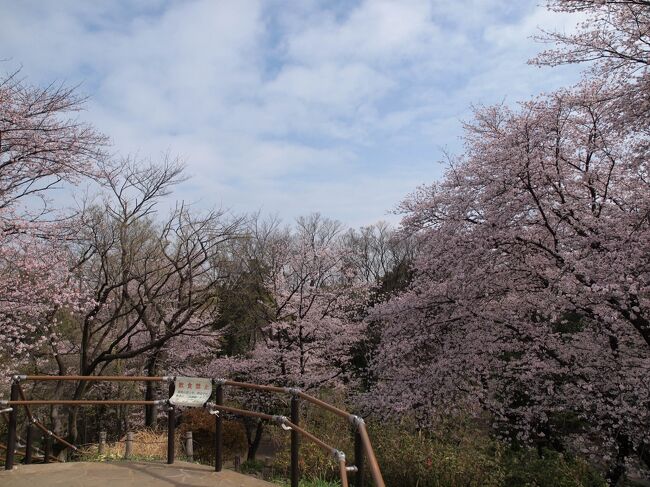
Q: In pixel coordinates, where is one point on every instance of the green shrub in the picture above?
(457, 452)
(410, 458)
(527, 468)
(315, 464)
(252, 467)
(310, 483)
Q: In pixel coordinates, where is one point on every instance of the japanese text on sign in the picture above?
(191, 391)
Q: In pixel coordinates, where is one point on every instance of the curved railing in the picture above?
(363, 447)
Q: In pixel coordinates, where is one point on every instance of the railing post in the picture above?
(358, 458)
(102, 442)
(342, 468)
(171, 427)
(370, 454)
(189, 446)
(128, 451)
(47, 447)
(218, 430)
(11, 432)
(295, 441)
(29, 439)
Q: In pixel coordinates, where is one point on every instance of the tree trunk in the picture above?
(151, 412)
(617, 471)
(84, 426)
(73, 425)
(73, 412)
(56, 419)
(645, 454)
(124, 420)
(253, 440)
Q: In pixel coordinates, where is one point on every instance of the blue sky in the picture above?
(293, 106)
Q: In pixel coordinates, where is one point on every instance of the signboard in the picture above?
(191, 391)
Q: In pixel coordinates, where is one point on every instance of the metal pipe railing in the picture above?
(55, 436)
(80, 402)
(24, 454)
(18, 399)
(343, 472)
(248, 385)
(311, 437)
(295, 442)
(284, 421)
(326, 406)
(358, 422)
(362, 440)
(40, 425)
(21, 393)
(372, 459)
(11, 429)
(94, 378)
(171, 426)
(22, 440)
(242, 412)
(218, 430)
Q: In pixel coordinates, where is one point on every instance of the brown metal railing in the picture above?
(92, 378)
(81, 402)
(363, 447)
(29, 449)
(362, 440)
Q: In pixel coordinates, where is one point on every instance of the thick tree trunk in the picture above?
(123, 420)
(56, 417)
(73, 425)
(84, 426)
(253, 439)
(73, 413)
(56, 420)
(151, 412)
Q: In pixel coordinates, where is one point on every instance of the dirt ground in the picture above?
(124, 474)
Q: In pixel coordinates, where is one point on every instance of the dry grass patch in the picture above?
(147, 444)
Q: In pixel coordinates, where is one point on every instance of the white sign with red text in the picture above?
(192, 392)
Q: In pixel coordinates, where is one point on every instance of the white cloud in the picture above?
(376, 31)
(288, 106)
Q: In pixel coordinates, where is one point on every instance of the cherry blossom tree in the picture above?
(311, 320)
(613, 37)
(613, 41)
(38, 293)
(308, 319)
(530, 289)
(530, 294)
(42, 147)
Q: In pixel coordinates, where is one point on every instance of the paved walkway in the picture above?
(124, 474)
